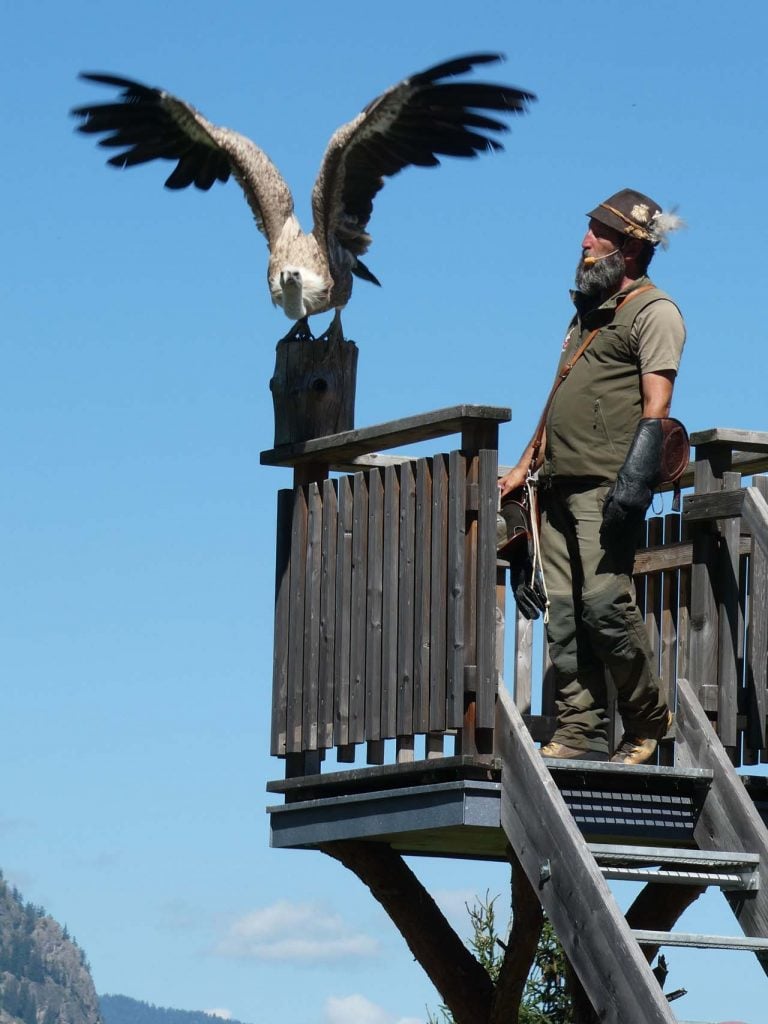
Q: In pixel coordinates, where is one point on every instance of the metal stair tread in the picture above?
(617, 855)
(748, 943)
(678, 866)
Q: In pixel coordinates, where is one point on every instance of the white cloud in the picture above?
(223, 1014)
(454, 902)
(297, 932)
(356, 1009)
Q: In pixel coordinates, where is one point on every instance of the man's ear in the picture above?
(631, 247)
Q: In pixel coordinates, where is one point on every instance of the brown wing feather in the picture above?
(415, 122)
(150, 124)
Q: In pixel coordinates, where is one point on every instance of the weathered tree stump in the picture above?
(313, 387)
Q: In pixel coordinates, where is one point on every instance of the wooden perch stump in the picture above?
(313, 387)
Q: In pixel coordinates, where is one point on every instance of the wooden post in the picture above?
(313, 388)
(712, 460)
(757, 646)
(729, 628)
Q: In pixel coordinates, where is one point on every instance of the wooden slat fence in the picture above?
(385, 615)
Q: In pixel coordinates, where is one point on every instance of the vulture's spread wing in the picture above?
(150, 124)
(412, 123)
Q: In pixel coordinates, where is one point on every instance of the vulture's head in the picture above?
(301, 292)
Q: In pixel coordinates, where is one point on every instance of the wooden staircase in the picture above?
(570, 875)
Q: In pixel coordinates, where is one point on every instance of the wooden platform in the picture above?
(451, 806)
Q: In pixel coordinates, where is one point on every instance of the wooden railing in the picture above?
(390, 604)
(386, 617)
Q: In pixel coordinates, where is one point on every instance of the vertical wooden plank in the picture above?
(311, 669)
(749, 755)
(470, 576)
(704, 617)
(684, 614)
(486, 589)
(405, 601)
(523, 682)
(358, 610)
(343, 612)
(327, 615)
(548, 684)
(728, 616)
(438, 595)
(457, 514)
(669, 613)
(640, 579)
(668, 629)
(295, 701)
(374, 600)
(742, 562)
(282, 622)
(757, 642)
(374, 752)
(389, 613)
(653, 592)
(501, 608)
(421, 628)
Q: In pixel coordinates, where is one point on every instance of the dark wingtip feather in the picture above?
(107, 79)
(456, 66)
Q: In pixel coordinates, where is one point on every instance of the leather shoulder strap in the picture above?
(539, 434)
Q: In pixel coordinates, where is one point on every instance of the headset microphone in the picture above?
(589, 261)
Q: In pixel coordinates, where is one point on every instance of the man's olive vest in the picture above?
(595, 412)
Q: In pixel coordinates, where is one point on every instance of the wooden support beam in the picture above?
(728, 819)
(594, 934)
(463, 983)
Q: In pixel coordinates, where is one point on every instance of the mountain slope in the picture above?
(123, 1010)
(44, 976)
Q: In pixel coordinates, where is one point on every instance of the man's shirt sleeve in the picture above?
(658, 336)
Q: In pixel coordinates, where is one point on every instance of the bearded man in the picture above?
(598, 459)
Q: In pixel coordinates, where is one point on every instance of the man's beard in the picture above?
(602, 277)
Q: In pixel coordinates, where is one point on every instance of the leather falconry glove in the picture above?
(627, 501)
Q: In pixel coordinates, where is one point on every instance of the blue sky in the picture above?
(138, 338)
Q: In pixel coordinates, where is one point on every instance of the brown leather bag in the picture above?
(675, 451)
(513, 524)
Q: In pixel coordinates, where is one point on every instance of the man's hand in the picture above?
(512, 480)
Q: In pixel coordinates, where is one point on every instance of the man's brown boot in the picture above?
(560, 750)
(638, 749)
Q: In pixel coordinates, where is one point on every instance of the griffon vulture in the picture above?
(424, 116)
